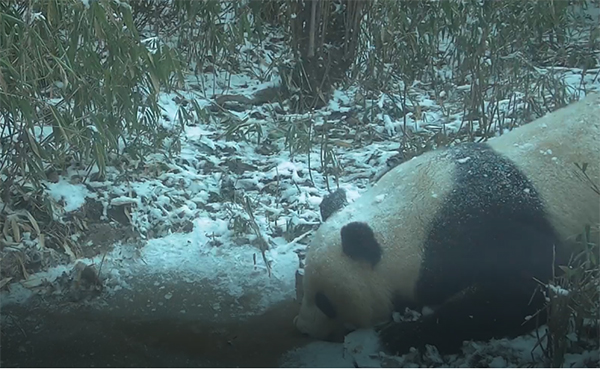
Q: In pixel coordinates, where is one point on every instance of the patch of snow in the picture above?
(427, 310)
(558, 290)
(170, 109)
(361, 349)
(230, 269)
(73, 195)
(363, 346)
(380, 198)
(389, 125)
(115, 272)
(41, 133)
(498, 362)
(581, 360)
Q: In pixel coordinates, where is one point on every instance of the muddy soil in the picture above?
(139, 330)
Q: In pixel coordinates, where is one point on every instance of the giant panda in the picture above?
(465, 230)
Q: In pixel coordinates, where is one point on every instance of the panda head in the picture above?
(342, 287)
(367, 256)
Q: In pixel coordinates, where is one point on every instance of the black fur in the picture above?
(487, 242)
(359, 243)
(325, 305)
(332, 202)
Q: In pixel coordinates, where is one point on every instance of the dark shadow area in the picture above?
(38, 337)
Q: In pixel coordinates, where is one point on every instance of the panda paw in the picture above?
(398, 338)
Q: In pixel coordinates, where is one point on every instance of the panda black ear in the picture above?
(359, 243)
(332, 203)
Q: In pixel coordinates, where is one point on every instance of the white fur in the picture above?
(545, 150)
(412, 190)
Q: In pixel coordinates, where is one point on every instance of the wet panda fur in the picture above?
(464, 230)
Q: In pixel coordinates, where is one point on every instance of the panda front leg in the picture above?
(477, 313)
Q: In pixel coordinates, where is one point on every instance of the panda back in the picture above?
(550, 151)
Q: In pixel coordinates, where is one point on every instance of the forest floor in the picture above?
(168, 270)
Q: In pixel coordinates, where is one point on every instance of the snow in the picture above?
(74, 195)
(360, 349)
(187, 256)
(363, 347)
(558, 290)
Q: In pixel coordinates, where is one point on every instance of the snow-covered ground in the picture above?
(360, 351)
(194, 237)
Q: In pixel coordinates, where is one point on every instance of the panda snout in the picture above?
(299, 329)
(299, 326)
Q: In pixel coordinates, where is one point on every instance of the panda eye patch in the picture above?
(325, 305)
